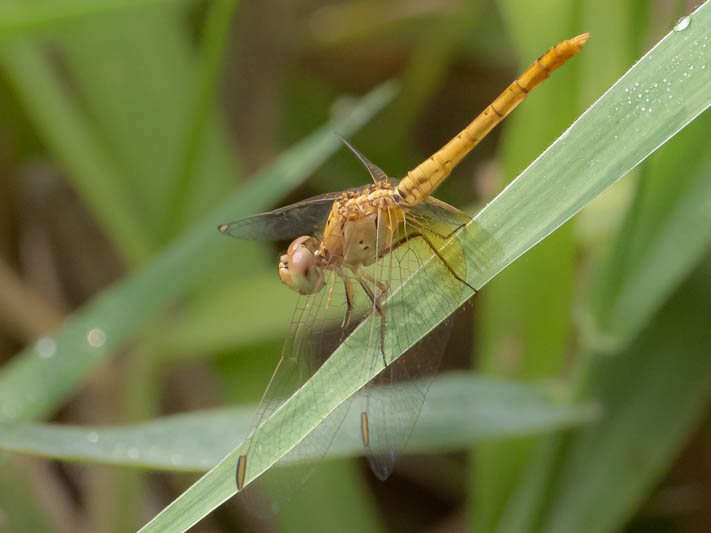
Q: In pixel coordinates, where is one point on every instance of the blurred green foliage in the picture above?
(130, 128)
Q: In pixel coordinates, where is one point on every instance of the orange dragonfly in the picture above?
(362, 245)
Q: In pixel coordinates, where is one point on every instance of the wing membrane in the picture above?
(431, 289)
(316, 331)
(307, 217)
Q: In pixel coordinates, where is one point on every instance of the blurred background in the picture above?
(124, 123)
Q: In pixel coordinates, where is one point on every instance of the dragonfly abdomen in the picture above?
(421, 181)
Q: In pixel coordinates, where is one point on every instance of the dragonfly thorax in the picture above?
(360, 229)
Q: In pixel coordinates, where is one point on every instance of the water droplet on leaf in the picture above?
(45, 347)
(682, 24)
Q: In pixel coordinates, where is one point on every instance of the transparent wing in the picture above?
(435, 213)
(286, 223)
(429, 247)
(316, 329)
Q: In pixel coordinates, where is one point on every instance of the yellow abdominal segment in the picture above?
(426, 177)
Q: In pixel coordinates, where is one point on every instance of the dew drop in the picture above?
(682, 24)
(93, 437)
(45, 347)
(96, 337)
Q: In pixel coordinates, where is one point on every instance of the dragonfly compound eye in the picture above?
(299, 270)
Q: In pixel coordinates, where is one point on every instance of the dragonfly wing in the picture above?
(425, 284)
(316, 329)
(434, 212)
(286, 223)
(394, 399)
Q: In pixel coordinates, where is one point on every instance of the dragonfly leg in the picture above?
(380, 298)
(377, 303)
(449, 235)
(382, 286)
(349, 304)
(434, 249)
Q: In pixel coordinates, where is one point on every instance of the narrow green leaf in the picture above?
(655, 250)
(605, 143)
(32, 386)
(654, 395)
(523, 316)
(637, 275)
(460, 409)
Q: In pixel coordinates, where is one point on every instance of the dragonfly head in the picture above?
(299, 267)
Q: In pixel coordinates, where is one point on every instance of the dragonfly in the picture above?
(364, 246)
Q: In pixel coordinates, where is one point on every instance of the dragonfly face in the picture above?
(300, 267)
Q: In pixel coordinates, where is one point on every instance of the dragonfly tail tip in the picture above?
(581, 39)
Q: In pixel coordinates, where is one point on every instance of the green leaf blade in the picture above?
(198, 441)
(605, 143)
